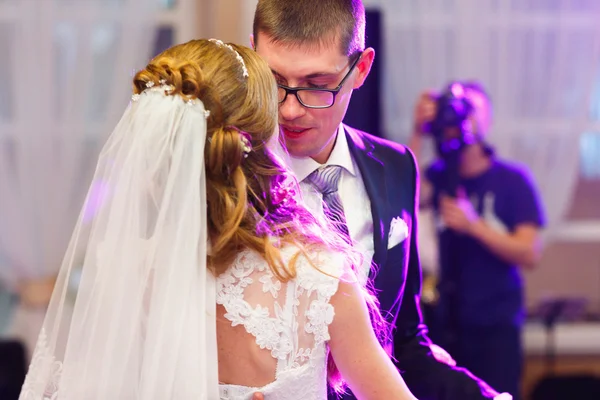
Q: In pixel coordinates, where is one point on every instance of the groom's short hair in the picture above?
(312, 22)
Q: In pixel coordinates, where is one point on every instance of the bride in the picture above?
(194, 273)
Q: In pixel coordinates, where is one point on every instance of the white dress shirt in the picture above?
(356, 203)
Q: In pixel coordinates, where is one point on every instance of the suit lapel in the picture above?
(373, 176)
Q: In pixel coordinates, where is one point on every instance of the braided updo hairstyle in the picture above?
(241, 211)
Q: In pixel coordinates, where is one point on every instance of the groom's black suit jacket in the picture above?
(390, 177)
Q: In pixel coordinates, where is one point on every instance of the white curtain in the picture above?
(537, 58)
(66, 71)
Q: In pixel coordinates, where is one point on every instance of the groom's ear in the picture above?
(252, 42)
(364, 66)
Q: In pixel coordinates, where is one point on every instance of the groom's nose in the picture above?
(291, 109)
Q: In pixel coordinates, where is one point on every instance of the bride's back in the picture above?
(272, 335)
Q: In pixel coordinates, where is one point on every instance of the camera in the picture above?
(450, 127)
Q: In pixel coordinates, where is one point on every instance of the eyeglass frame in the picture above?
(334, 92)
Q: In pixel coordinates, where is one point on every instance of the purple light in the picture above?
(96, 195)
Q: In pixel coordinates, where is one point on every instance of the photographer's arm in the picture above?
(520, 243)
(522, 247)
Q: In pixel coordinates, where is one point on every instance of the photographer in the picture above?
(488, 216)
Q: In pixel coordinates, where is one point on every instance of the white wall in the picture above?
(228, 20)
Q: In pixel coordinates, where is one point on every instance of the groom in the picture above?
(369, 185)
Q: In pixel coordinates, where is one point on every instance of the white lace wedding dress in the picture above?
(289, 319)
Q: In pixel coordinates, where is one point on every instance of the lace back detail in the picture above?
(289, 319)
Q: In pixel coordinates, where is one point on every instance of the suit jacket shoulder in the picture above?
(395, 157)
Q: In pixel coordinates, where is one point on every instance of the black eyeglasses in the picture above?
(314, 98)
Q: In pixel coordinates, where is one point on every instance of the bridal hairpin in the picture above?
(245, 139)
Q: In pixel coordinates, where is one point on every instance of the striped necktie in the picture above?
(326, 180)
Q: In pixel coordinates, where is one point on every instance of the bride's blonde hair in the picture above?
(250, 202)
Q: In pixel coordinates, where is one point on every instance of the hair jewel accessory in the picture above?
(246, 143)
(283, 194)
(245, 138)
(165, 89)
(151, 86)
(193, 102)
(237, 55)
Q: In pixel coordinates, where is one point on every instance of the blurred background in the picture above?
(65, 68)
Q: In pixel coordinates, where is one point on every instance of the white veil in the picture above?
(140, 322)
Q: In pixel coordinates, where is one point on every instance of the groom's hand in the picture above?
(258, 396)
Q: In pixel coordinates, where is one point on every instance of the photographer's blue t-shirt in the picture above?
(489, 289)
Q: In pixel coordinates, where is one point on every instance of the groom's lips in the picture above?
(293, 132)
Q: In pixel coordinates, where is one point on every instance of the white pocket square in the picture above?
(398, 232)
